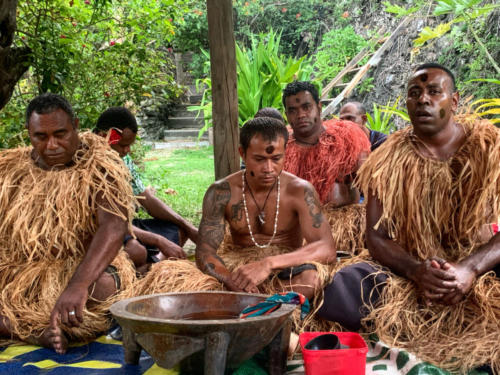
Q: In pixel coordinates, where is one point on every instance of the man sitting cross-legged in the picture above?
(270, 212)
(65, 204)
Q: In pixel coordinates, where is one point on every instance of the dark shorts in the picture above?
(351, 288)
(163, 228)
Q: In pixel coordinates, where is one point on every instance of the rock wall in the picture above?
(392, 72)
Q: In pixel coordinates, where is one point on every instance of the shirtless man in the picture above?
(264, 206)
(270, 213)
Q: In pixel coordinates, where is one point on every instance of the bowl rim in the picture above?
(119, 311)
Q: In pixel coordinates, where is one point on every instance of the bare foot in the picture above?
(54, 338)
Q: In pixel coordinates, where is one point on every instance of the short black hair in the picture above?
(293, 88)
(268, 127)
(48, 103)
(116, 117)
(359, 106)
(270, 112)
(441, 67)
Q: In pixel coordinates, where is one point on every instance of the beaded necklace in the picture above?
(248, 220)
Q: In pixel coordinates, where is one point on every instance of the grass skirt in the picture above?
(348, 226)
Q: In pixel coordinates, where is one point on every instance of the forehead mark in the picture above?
(270, 149)
(442, 113)
(423, 77)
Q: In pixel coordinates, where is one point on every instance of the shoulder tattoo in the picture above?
(313, 206)
(212, 223)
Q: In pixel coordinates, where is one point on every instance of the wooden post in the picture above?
(224, 90)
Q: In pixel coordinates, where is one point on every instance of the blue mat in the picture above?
(102, 356)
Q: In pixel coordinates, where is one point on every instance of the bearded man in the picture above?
(65, 205)
(432, 283)
(327, 154)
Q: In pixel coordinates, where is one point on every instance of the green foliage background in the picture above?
(95, 53)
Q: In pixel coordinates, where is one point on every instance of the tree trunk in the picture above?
(224, 91)
(13, 61)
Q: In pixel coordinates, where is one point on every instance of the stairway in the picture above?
(183, 124)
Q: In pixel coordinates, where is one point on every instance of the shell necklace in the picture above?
(248, 220)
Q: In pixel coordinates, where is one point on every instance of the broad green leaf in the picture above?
(428, 34)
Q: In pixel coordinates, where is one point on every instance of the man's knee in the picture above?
(104, 287)
(136, 252)
(308, 278)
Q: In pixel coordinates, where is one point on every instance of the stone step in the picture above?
(185, 122)
(184, 112)
(187, 133)
(195, 99)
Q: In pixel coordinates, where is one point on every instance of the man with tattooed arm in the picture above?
(270, 212)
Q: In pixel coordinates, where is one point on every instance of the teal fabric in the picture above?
(136, 182)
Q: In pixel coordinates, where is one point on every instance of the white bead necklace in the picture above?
(248, 220)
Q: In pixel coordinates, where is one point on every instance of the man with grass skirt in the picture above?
(430, 284)
(327, 154)
(65, 205)
(270, 213)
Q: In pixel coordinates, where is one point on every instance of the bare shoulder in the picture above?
(218, 193)
(296, 186)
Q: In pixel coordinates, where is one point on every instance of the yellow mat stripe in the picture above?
(15, 350)
(47, 364)
(156, 370)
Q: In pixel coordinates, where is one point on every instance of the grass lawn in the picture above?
(189, 172)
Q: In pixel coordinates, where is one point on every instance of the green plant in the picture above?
(462, 11)
(303, 22)
(336, 50)
(400, 11)
(95, 53)
(490, 106)
(381, 118)
(262, 74)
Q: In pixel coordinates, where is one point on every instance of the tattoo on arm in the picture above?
(313, 206)
(212, 223)
(212, 229)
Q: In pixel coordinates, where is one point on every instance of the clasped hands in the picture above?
(443, 282)
(248, 277)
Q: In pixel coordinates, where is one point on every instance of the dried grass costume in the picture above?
(438, 208)
(45, 218)
(333, 159)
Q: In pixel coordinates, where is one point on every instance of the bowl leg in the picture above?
(278, 349)
(131, 347)
(216, 345)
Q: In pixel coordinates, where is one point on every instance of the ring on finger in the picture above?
(72, 313)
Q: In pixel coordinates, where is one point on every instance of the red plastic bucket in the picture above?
(350, 361)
